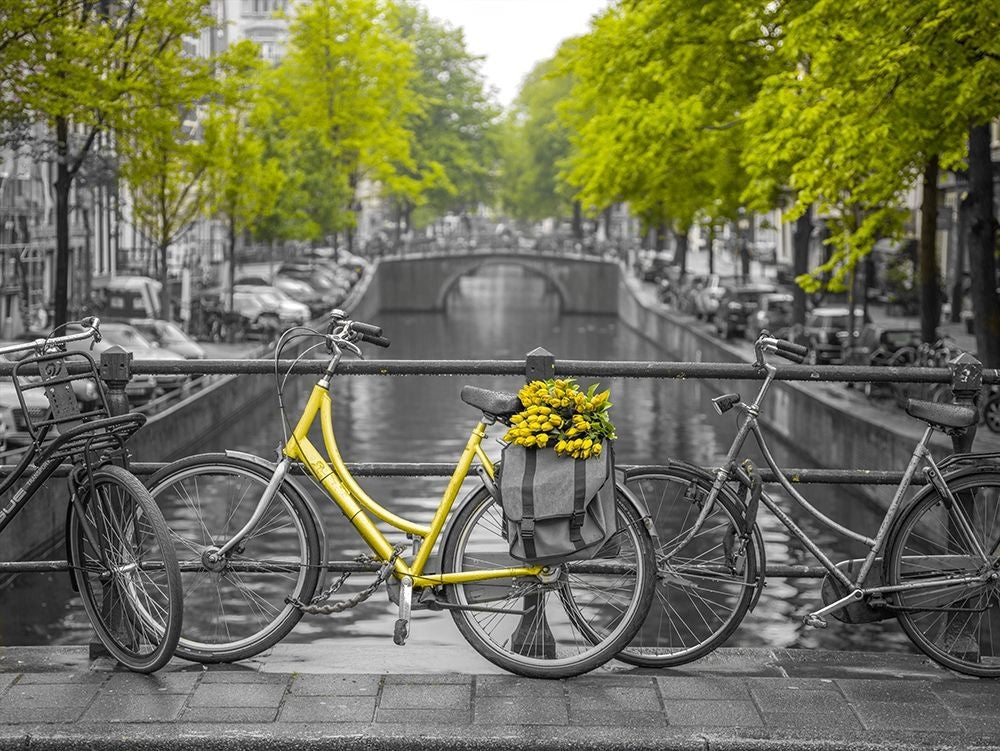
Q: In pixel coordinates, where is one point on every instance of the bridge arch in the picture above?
(422, 282)
(473, 265)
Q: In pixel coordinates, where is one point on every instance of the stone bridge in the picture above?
(422, 282)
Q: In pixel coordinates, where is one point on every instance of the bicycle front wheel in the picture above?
(703, 588)
(570, 620)
(125, 569)
(955, 622)
(235, 605)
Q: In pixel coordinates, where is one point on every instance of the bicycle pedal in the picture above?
(400, 632)
(814, 621)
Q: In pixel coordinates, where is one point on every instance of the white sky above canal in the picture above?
(514, 35)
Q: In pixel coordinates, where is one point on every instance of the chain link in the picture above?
(315, 608)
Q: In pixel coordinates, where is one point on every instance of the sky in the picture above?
(515, 34)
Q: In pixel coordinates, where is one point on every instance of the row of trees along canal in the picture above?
(691, 113)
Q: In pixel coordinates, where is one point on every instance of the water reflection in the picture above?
(503, 313)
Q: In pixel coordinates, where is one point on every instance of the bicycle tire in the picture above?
(232, 611)
(125, 569)
(582, 617)
(956, 625)
(698, 602)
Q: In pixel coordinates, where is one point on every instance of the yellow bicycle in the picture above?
(251, 548)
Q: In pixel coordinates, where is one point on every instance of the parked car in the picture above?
(271, 303)
(140, 387)
(296, 289)
(332, 289)
(12, 415)
(773, 314)
(736, 306)
(169, 336)
(826, 333)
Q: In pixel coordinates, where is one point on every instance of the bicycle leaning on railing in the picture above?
(121, 556)
(252, 547)
(933, 563)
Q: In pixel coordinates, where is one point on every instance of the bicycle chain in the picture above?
(314, 608)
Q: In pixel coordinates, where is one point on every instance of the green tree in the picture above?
(455, 136)
(870, 98)
(656, 111)
(535, 146)
(345, 88)
(85, 69)
(165, 157)
(244, 175)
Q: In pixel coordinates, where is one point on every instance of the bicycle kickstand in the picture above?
(402, 629)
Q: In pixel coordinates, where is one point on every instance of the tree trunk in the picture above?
(231, 257)
(577, 221)
(161, 252)
(800, 264)
(64, 180)
(928, 274)
(681, 254)
(982, 248)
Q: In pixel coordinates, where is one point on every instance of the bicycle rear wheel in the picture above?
(956, 624)
(125, 569)
(700, 598)
(553, 626)
(235, 607)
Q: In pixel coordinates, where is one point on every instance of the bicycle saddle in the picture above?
(942, 416)
(493, 403)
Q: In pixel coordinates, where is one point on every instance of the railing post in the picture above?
(533, 637)
(116, 370)
(539, 365)
(966, 385)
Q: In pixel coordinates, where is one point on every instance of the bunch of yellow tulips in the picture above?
(558, 414)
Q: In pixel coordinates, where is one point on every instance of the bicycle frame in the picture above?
(359, 508)
(856, 589)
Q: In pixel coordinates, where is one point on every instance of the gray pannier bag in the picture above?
(556, 508)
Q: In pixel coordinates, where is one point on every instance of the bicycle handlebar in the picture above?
(91, 330)
(354, 331)
(782, 347)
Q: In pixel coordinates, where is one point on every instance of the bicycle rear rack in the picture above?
(69, 430)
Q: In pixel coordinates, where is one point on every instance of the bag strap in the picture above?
(579, 500)
(528, 504)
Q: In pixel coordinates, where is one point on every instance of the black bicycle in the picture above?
(121, 558)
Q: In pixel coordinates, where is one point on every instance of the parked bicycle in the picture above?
(121, 556)
(252, 547)
(933, 563)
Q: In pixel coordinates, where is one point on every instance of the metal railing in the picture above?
(965, 375)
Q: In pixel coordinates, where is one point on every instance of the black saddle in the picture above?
(497, 404)
(945, 417)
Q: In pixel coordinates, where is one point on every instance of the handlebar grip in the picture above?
(379, 341)
(366, 329)
(790, 351)
(786, 347)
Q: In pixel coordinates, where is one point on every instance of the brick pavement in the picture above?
(735, 698)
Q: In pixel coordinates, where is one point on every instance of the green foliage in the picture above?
(454, 132)
(343, 95)
(536, 144)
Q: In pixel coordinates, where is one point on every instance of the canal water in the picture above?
(501, 313)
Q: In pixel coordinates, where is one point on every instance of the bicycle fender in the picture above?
(266, 470)
(268, 467)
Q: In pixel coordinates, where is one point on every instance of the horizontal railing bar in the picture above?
(338, 567)
(564, 367)
(796, 475)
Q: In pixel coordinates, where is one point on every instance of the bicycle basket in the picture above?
(73, 423)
